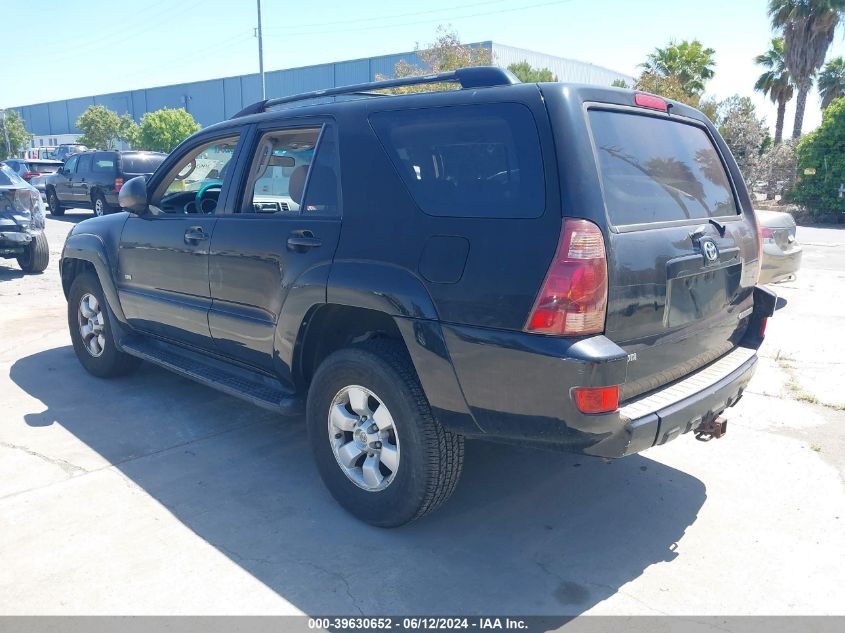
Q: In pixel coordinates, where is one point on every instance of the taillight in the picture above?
(651, 101)
(573, 298)
(596, 399)
(118, 183)
(763, 327)
(29, 174)
(767, 235)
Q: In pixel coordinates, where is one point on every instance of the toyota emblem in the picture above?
(711, 251)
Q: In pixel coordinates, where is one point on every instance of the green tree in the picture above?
(164, 129)
(444, 54)
(775, 81)
(821, 163)
(100, 126)
(526, 73)
(13, 128)
(688, 62)
(744, 134)
(128, 130)
(619, 83)
(832, 81)
(808, 29)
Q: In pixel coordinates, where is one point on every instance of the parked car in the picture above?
(34, 171)
(552, 265)
(66, 150)
(781, 251)
(92, 179)
(22, 223)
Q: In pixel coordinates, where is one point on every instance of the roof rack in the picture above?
(473, 77)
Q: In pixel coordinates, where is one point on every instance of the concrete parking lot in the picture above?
(154, 495)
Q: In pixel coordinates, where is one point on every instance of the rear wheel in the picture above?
(37, 255)
(91, 332)
(55, 206)
(100, 206)
(378, 448)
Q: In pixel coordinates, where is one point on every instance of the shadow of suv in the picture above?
(92, 179)
(552, 265)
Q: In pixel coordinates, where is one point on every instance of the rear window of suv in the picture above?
(658, 170)
(140, 163)
(479, 161)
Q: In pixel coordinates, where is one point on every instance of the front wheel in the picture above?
(378, 448)
(36, 256)
(91, 331)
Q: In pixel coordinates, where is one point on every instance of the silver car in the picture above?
(781, 251)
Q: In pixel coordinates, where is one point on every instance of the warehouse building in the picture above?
(214, 100)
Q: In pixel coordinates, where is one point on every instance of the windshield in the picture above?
(8, 178)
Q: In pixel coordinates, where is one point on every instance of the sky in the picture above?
(74, 48)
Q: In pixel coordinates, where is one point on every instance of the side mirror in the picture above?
(133, 195)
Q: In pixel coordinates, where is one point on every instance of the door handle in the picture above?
(303, 240)
(195, 234)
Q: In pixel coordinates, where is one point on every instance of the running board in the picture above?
(260, 390)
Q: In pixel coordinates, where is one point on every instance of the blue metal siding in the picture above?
(217, 99)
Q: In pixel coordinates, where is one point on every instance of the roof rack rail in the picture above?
(472, 77)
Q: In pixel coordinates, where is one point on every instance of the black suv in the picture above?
(92, 179)
(552, 265)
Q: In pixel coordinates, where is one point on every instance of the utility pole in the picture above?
(261, 54)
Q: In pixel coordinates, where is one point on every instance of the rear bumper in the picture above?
(779, 265)
(518, 386)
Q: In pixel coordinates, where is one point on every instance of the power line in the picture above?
(289, 33)
(383, 17)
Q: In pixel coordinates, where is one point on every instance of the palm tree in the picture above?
(832, 81)
(689, 62)
(808, 29)
(775, 81)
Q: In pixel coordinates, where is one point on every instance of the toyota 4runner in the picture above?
(553, 265)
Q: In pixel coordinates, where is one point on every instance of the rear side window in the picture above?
(480, 161)
(658, 170)
(104, 162)
(140, 163)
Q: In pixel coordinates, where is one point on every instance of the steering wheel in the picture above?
(201, 193)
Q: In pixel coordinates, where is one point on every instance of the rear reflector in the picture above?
(763, 327)
(573, 298)
(596, 399)
(651, 101)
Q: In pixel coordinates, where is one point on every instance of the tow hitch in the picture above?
(711, 429)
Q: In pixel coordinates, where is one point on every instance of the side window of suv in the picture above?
(84, 163)
(196, 183)
(472, 161)
(294, 171)
(104, 162)
(70, 165)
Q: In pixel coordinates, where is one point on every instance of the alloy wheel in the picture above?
(363, 438)
(91, 325)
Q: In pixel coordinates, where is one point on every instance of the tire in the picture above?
(37, 255)
(54, 204)
(99, 205)
(431, 456)
(109, 362)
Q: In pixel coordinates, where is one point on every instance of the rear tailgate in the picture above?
(682, 257)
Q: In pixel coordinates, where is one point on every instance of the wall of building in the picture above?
(214, 100)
